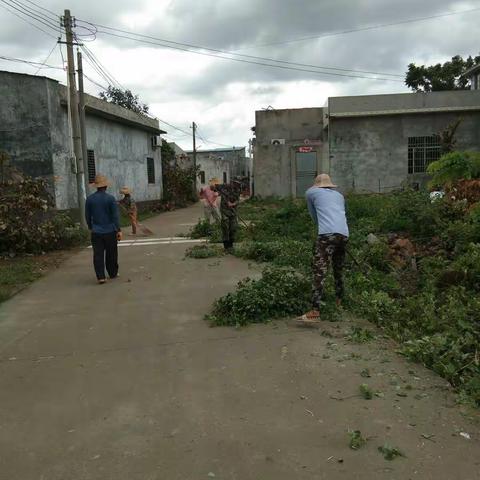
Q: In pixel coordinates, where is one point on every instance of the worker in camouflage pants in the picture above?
(327, 209)
(328, 248)
(230, 198)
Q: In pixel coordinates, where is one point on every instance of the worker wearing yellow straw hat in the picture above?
(101, 213)
(128, 205)
(327, 209)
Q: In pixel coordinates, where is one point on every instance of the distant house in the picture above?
(35, 133)
(474, 75)
(181, 157)
(221, 163)
(373, 143)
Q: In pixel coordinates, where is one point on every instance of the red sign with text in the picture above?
(305, 149)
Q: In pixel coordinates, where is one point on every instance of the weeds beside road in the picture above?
(418, 276)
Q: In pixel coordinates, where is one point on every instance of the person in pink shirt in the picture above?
(209, 199)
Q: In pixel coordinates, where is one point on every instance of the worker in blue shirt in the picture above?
(101, 213)
(327, 209)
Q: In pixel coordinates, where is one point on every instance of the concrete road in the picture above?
(127, 382)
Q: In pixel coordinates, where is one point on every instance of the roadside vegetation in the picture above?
(413, 269)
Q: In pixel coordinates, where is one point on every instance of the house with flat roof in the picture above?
(225, 164)
(35, 134)
(371, 143)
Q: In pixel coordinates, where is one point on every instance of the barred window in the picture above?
(150, 170)
(224, 177)
(422, 151)
(92, 170)
(202, 177)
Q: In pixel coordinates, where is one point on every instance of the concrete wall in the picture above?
(25, 123)
(371, 153)
(34, 131)
(274, 166)
(213, 168)
(239, 163)
(401, 103)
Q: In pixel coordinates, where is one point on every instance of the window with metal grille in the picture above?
(150, 170)
(202, 177)
(92, 170)
(422, 151)
(224, 177)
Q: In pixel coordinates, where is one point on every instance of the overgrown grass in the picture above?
(16, 274)
(204, 251)
(432, 310)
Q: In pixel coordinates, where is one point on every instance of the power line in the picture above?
(225, 52)
(19, 60)
(283, 67)
(103, 72)
(174, 127)
(48, 56)
(25, 20)
(94, 82)
(34, 17)
(42, 8)
(363, 29)
(55, 21)
(211, 142)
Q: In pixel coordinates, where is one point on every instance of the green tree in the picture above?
(124, 98)
(447, 76)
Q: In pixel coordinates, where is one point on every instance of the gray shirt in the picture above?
(327, 208)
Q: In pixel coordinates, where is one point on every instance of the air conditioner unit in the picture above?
(156, 141)
(277, 141)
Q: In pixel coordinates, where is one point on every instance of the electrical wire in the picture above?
(189, 46)
(55, 21)
(175, 128)
(283, 67)
(212, 142)
(42, 8)
(34, 17)
(46, 60)
(364, 29)
(94, 82)
(19, 60)
(103, 72)
(27, 21)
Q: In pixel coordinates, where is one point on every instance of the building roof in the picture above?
(217, 150)
(404, 103)
(99, 107)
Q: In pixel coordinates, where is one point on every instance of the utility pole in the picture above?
(194, 129)
(81, 111)
(76, 134)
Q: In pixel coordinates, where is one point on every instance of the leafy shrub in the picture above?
(454, 166)
(204, 229)
(286, 253)
(279, 293)
(204, 251)
(431, 311)
(29, 222)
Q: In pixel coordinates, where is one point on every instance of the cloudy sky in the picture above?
(221, 95)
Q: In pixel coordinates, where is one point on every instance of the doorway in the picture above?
(306, 171)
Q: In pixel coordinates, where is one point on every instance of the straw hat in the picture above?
(125, 191)
(214, 181)
(324, 181)
(100, 181)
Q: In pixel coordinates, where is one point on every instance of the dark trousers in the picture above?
(328, 248)
(229, 224)
(105, 254)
